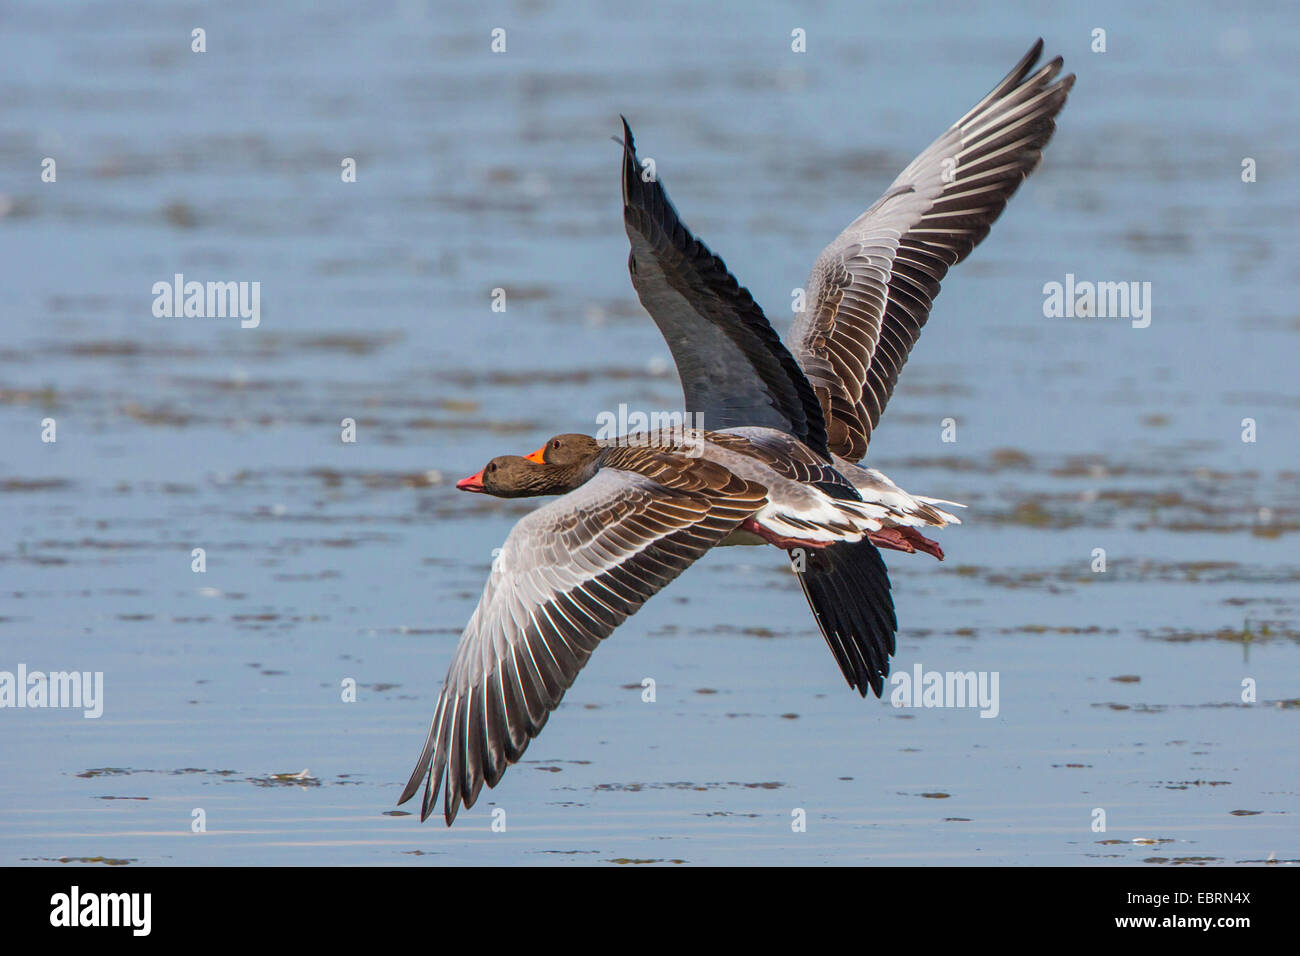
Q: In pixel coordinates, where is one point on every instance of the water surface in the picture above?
(328, 561)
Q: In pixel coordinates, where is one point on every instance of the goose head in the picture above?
(559, 466)
(567, 451)
(510, 476)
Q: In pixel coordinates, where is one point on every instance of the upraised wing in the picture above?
(733, 366)
(871, 289)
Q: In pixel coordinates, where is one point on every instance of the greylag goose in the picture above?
(777, 465)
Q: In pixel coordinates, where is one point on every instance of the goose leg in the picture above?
(904, 539)
(782, 542)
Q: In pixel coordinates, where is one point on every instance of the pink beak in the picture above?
(472, 483)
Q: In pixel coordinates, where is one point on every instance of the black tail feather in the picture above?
(847, 586)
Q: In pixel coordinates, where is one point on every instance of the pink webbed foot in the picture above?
(771, 537)
(907, 540)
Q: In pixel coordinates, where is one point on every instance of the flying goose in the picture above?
(776, 465)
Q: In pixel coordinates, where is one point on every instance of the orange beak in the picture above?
(536, 456)
(472, 483)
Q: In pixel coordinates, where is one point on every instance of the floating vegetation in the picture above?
(685, 785)
(1183, 860)
(105, 860)
(1258, 633)
(632, 860)
(124, 771)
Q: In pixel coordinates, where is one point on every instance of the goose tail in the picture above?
(847, 586)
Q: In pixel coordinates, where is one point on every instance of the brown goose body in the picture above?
(796, 479)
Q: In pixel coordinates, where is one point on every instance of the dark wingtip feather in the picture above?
(627, 144)
(450, 809)
(648, 213)
(426, 802)
(632, 192)
(421, 772)
(411, 786)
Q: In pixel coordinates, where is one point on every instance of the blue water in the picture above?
(329, 561)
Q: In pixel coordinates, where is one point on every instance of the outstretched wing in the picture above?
(871, 289)
(732, 364)
(568, 574)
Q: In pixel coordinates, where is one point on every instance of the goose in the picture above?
(778, 463)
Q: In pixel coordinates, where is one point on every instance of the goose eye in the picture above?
(492, 467)
(556, 443)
